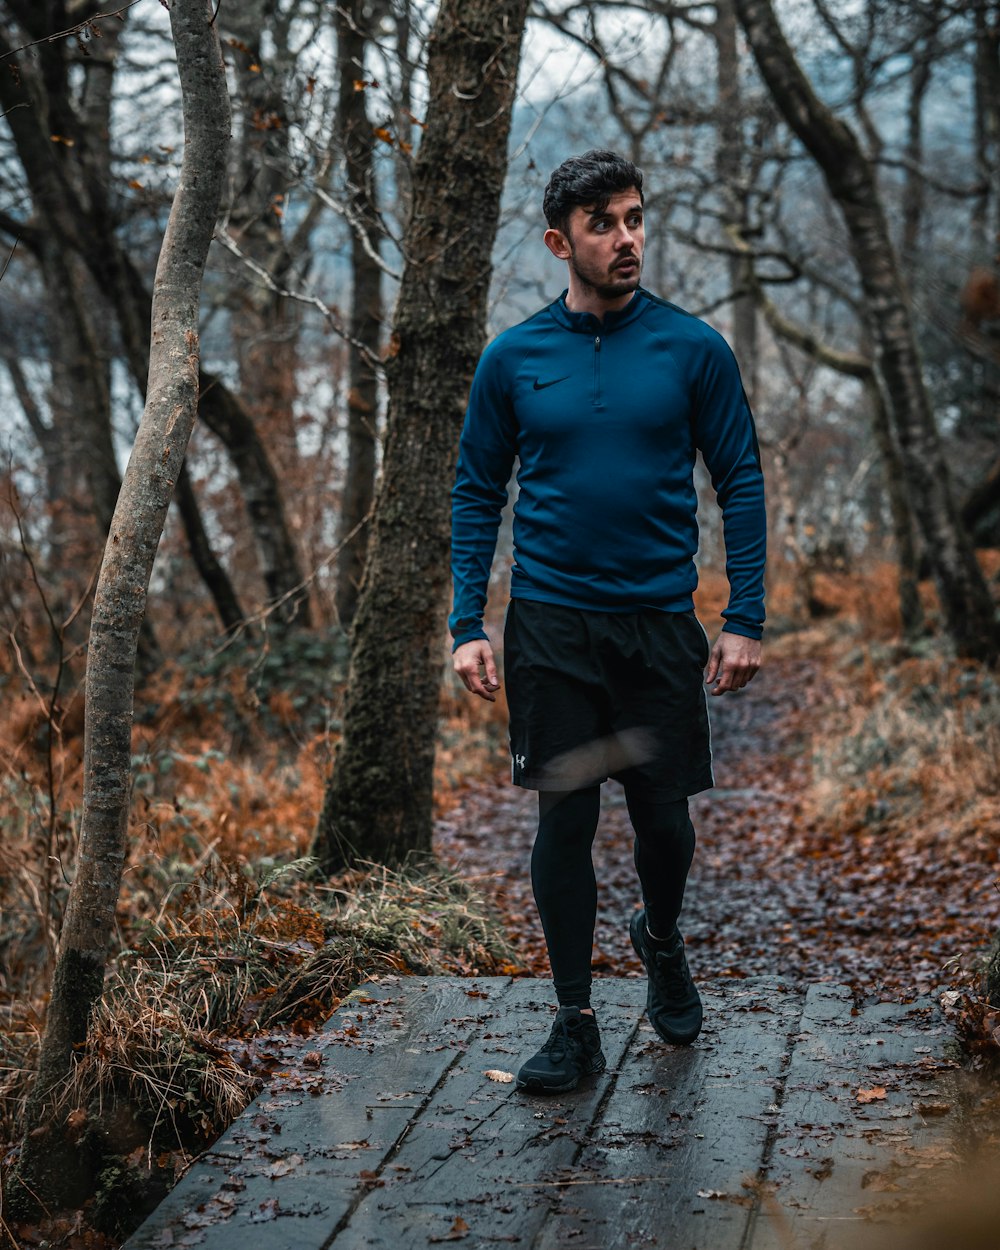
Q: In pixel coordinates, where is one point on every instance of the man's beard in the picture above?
(604, 284)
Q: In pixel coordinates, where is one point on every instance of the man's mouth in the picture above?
(630, 262)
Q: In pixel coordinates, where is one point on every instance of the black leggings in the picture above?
(565, 888)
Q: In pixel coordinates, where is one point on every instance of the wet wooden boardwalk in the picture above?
(794, 1119)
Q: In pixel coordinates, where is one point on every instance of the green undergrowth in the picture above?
(239, 961)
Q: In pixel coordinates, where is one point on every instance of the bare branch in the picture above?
(947, 188)
(260, 618)
(850, 363)
(356, 224)
(223, 236)
(10, 257)
(71, 30)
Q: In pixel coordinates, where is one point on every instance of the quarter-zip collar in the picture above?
(587, 323)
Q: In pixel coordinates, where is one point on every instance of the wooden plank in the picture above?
(835, 1161)
(295, 1164)
(683, 1128)
(483, 1153)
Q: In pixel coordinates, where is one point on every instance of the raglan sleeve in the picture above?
(726, 435)
(485, 459)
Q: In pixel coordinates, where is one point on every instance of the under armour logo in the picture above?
(518, 761)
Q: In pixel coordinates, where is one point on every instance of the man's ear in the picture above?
(557, 243)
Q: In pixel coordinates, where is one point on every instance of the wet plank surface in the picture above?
(755, 1138)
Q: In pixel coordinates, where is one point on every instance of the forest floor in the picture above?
(812, 864)
(852, 838)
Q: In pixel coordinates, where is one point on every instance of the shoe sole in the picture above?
(672, 1039)
(535, 1084)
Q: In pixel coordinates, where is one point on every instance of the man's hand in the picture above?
(475, 664)
(733, 663)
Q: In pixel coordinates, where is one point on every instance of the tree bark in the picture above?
(966, 603)
(911, 611)
(986, 210)
(48, 1169)
(378, 802)
(914, 188)
(358, 140)
(862, 367)
(729, 163)
(265, 326)
(983, 498)
(205, 560)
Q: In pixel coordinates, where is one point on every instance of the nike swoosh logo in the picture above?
(540, 386)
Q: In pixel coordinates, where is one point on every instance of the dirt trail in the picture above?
(773, 890)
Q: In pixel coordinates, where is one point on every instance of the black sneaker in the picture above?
(672, 1001)
(573, 1050)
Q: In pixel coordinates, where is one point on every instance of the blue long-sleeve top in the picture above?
(605, 419)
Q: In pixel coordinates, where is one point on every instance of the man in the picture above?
(604, 397)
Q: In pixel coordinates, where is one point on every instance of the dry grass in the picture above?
(238, 951)
(222, 941)
(913, 746)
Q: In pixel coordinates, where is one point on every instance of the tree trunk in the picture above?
(911, 612)
(966, 603)
(914, 194)
(205, 560)
(48, 1170)
(265, 326)
(378, 802)
(983, 498)
(986, 210)
(729, 163)
(68, 200)
(358, 140)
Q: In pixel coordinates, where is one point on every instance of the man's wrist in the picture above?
(743, 629)
(469, 635)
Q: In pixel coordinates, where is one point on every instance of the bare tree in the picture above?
(48, 1169)
(965, 599)
(356, 134)
(378, 802)
(69, 195)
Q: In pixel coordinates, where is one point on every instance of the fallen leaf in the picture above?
(457, 1232)
(877, 1094)
(267, 1211)
(879, 1183)
(282, 1167)
(497, 1074)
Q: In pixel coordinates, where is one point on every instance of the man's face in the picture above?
(605, 247)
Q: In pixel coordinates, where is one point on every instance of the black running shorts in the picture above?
(594, 695)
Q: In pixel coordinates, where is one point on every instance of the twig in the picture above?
(10, 257)
(72, 30)
(358, 226)
(223, 236)
(947, 188)
(261, 616)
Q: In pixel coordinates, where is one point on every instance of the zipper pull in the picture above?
(597, 343)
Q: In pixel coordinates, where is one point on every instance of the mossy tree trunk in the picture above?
(48, 1171)
(378, 802)
(966, 603)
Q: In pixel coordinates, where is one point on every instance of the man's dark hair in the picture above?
(588, 181)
